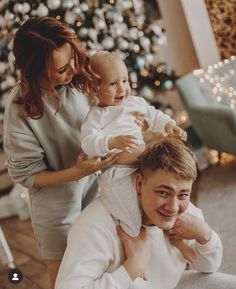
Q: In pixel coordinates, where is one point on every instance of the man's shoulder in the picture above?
(95, 215)
(192, 209)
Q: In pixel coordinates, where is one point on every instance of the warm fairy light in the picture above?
(58, 17)
(219, 81)
(144, 72)
(134, 85)
(213, 156)
(78, 24)
(157, 82)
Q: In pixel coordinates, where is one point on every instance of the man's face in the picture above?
(164, 196)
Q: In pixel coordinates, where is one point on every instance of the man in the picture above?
(101, 256)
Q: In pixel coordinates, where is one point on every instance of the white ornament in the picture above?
(9, 16)
(149, 58)
(108, 43)
(145, 43)
(123, 44)
(42, 10)
(70, 17)
(133, 76)
(26, 7)
(18, 8)
(53, 4)
(93, 35)
(3, 67)
(68, 4)
(156, 29)
(84, 7)
(127, 4)
(133, 33)
(83, 32)
(3, 22)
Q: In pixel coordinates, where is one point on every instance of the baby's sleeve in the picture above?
(93, 142)
(155, 118)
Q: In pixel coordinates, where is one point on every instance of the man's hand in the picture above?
(190, 227)
(173, 129)
(122, 142)
(138, 252)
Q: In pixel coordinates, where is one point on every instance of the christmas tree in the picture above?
(120, 26)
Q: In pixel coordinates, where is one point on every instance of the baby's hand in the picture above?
(122, 142)
(172, 128)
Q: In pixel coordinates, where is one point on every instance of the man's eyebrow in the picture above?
(170, 188)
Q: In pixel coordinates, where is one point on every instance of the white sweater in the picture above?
(94, 255)
(104, 122)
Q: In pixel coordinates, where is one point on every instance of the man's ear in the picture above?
(139, 183)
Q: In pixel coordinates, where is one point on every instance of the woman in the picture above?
(42, 131)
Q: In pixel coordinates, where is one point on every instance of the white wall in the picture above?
(191, 42)
(179, 54)
(201, 32)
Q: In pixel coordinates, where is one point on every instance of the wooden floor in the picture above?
(19, 235)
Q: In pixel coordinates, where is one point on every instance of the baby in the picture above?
(110, 127)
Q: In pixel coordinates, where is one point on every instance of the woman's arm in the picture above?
(82, 168)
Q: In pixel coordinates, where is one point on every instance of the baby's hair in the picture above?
(102, 57)
(171, 155)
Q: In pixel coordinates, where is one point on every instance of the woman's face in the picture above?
(64, 64)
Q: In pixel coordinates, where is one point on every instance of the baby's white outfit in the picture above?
(117, 183)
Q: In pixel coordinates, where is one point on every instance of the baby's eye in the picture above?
(112, 83)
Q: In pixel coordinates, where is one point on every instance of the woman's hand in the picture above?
(85, 166)
(138, 252)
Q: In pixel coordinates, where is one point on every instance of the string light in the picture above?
(218, 82)
(157, 82)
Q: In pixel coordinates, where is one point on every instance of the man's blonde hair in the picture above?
(171, 155)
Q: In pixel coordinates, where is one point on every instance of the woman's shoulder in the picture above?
(14, 94)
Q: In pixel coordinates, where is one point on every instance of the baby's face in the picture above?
(114, 88)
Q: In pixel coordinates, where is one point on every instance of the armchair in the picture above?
(215, 124)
